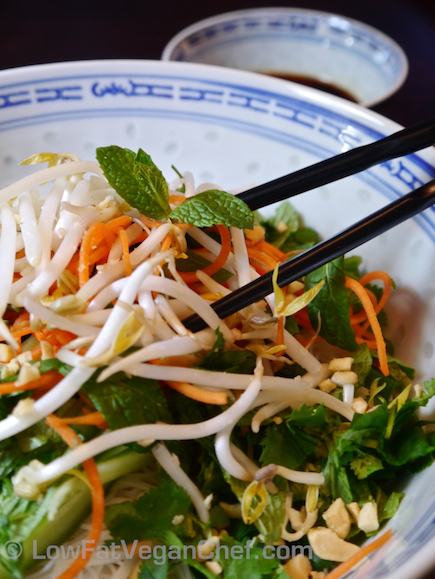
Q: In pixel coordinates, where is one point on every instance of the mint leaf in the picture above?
(117, 165)
(144, 158)
(214, 208)
(128, 401)
(153, 198)
(136, 179)
(332, 305)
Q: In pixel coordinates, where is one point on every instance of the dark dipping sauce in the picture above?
(314, 83)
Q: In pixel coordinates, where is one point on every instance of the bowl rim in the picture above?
(425, 559)
(183, 34)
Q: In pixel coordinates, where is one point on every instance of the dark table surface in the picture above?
(34, 32)
(42, 31)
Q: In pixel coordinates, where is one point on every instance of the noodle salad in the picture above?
(278, 432)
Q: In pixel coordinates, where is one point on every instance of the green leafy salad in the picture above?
(270, 444)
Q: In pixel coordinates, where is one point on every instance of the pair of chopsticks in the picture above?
(354, 161)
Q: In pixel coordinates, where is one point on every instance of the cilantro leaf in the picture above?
(365, 465)
(269, 523)
(151, 570)
(152, 515)
(128, 401)
(246, 561)
(307, 416)
(54, 364)
(214, 208)
(332, 305)
(286, 447)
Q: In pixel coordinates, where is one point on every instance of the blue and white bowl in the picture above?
(332, 49)
(235, 128)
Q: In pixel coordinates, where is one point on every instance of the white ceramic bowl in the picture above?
(236, 128)
(335, 50)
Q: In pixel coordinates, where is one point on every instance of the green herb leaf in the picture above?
(195, 261)
(152, 515)
(153, 199)
(128, 401)
(366, 465)
(308, 416)
(362, 363)
(331, 303)
(270, 521)
(214, 208)
(136, 179)
(117, 165)
(152, 570)
(247, 561)
(236, 361)
(286, 447)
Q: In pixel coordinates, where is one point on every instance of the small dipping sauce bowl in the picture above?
(326, 51)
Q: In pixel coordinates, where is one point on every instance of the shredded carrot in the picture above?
(125, 250)
(21, 326)
(91, 238)
(123, 221)
(36, 353)
(92, 418)
(154, 223)
(303, 319)
(362, 316)
(101, 252)
(190, 391)
(359, 556)
(166, 243)
(72, 440)
(47, 380)
(177, 199)
(271, 250)
(63, 337)
(388, 285)
(361, 292)
(220, 259)
(73, 265)
(262, 257)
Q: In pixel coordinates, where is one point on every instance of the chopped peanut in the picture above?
(327, 386)
(342, 378)
(340, 364)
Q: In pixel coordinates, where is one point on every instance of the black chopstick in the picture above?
(351, 162)
(362, 231)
